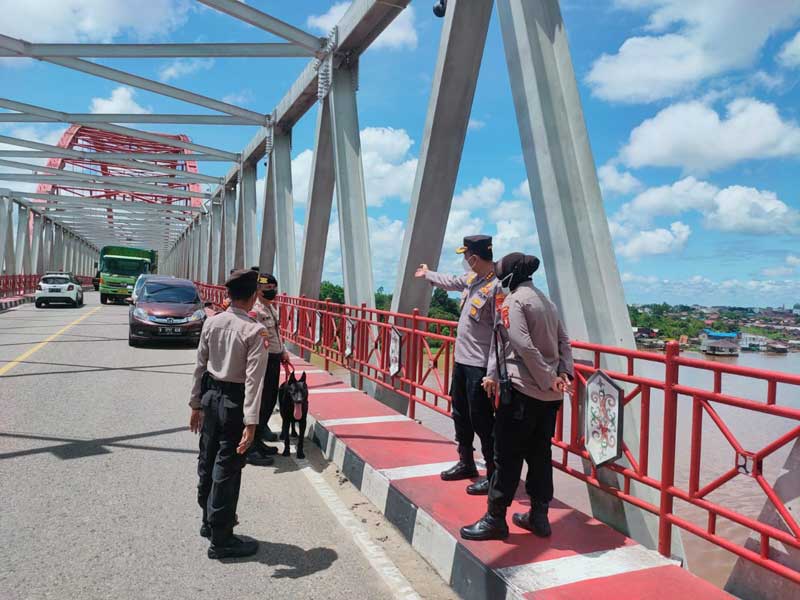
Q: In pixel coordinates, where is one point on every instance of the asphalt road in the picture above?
(97, 482)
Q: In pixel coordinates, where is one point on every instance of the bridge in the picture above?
(96, 458)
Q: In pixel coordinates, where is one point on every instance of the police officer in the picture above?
(472, 407)
(225, 402)
(533, 352)
(266, 314)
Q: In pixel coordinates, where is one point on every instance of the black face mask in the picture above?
(269, 294)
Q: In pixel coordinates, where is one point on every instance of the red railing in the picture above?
(358, 339)
(19, 285)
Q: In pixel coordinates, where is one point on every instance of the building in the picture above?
(719, 343)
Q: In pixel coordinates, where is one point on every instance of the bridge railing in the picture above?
(17, 285)
(359, 340)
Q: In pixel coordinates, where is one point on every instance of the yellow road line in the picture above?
(6, 368)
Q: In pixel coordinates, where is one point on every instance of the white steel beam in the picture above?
(179, 119)
(200, 50)
(215, 214)
(247, 211)
(266, 258)
(21, 48)
(351, 198)
(60, 117)
(120, 158)
(37, 243)
(248, 14)
(229, 223)
(154, 190)
(7, 263)
(22, 248)
(94, 202)
(284, 212)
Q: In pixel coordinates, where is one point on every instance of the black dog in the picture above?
(293, 399)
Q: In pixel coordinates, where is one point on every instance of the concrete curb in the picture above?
(584, 557)
(7, 304)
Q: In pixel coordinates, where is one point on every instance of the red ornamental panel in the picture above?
(603, 416)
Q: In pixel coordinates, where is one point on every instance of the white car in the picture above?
(59, 287)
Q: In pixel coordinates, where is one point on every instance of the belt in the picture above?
(228, 387)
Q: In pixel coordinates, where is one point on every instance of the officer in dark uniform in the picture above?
(473, 411)
(225, 402)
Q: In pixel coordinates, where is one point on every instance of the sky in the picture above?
(692, 110)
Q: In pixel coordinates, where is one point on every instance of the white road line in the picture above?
(569, 569)
(424, 470)
(377, 558)
(363, 420)
(342, 390)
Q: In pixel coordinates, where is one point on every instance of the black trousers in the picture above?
(219, 467)
(523, 431)
(269, 394)
(472, 413)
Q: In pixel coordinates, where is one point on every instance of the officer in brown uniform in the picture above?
(473, 410)
(535, 358)
(225, 402)
(265, 313)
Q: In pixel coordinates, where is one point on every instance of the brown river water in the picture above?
(753, 430)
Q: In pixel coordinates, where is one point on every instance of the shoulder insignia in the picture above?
(499, 298)
(471, 278)
(490, 276)
(485, 289)
(504, 314)
(477, 301)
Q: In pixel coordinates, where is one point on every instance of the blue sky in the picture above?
(692, 110)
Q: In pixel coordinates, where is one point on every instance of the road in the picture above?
(97, 471)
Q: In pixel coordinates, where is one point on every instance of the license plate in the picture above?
(170, 330)
(55, 289)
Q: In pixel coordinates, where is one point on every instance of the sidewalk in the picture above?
(395, 462)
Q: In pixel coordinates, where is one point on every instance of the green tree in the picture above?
(383, 301)
(331, 291)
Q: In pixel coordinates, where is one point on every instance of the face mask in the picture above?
(466, 265)
(269, 294)
(505, 283)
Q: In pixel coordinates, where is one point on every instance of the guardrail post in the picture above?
(362, 350)
(668, 449)
(411, 367)
(326, 333)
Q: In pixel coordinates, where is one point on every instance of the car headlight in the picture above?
(139, 313)
(198, 315)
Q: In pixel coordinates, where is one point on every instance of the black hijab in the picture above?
(520, 267)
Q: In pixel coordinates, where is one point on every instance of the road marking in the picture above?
(377, 558)
(363, 420)
(556, 572)
(13, 363)
(425, 470)
(343, 390)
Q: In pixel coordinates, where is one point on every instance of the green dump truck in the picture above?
(119, 269)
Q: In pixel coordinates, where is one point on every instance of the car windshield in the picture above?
(123, 266)
(164, 292)
(55, 280)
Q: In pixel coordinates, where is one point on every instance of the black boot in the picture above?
(479, 488)
(461, 470)
(255, 458)
(205, 530)
(491, 526)
(226, 545)
(535, 520)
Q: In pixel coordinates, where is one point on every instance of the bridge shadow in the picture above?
(70, 448)
(295, 561)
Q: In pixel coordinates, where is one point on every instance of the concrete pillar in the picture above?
(229, 223)
(57, 263)
(284, 212)
(266, 257)
(6, 237)
(22, 249)
(318, 211)
(351, 198)
(47, 248)
(581, 268)
(460, 52)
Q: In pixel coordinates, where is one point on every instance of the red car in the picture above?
(166, 309)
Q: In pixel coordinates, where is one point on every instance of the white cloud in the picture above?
(181, 67)
(614, 181)
(523, 190)
(733, 209)
(703, 290)
(516, 228)
(120, 101)
(695, 137)
(43, 134)
(301, 176)
(239, 98)
(90, 20)
(388, 170)
(484, 195)
(475, 124)
(689, 41)
(790, 53)
(790, 267)
(655, 241)
(401, 33)
(793, 260)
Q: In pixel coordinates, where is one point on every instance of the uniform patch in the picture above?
(470, 278)
(265, 337)
(485, 289)
(473, 311)
(504, 315)
(499, 298)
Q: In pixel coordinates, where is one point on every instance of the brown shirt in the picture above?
(268, 316)
(534, 341)
(232, 349)
(479, 296)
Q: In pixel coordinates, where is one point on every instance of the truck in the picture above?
(119, 268)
